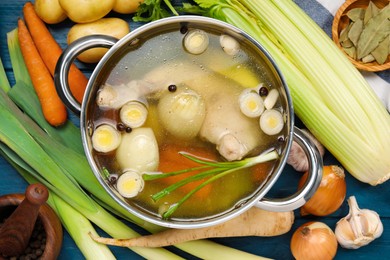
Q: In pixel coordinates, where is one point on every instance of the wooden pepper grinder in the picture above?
(16, 231)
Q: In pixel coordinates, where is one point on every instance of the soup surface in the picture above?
(165, 98)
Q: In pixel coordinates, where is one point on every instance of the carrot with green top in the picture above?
(52, 107)
(50, 51)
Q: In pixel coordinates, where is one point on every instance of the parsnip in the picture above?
(253, 222)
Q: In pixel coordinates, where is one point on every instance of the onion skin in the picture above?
(313, 240)
(329, 196)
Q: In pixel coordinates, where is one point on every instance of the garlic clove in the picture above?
(359, 227)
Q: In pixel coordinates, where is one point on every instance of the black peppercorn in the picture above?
(120, 127)
(172, 88)
(263, 91)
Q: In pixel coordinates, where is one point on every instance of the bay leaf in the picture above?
(377, 29)
(347, 43)
(356, 13)
(368, 58)
(344, 33)
(382, 51)
(351, 52)
(355, 31)
(371, 11)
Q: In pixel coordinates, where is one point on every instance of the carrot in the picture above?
(53, 109)
(253, 222)
(50, 51)
(171, 161)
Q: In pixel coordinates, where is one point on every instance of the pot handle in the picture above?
(311, 184)
(65, 61)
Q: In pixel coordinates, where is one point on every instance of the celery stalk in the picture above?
(329, 95)
(357, 85)
(354, 104)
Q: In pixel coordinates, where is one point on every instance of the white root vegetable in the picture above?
(234, 134)
(297, 157)
(138, 150)
(253, 222)
(182, 112)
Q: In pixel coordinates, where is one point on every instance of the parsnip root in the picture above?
(253, 222)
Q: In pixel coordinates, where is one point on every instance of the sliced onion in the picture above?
(129, 184)
(105, 138)
(271, 122)
(251, 104)
(196, 41)
(133, 114)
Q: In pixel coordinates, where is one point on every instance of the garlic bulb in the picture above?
(359, 227)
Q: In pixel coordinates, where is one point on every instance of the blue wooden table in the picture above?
(375, 198)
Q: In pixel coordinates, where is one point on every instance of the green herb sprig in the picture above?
(212, 170)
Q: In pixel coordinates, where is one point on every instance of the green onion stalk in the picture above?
(213, 171)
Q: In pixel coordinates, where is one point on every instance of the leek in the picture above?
(4, 84)
(330, 96)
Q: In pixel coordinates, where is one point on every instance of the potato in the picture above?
(85, 11)
(126, 6)
(115, 27)
(49, 11)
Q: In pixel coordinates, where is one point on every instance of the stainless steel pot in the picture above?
(116, 50)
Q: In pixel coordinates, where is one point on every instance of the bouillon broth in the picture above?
(186, 100)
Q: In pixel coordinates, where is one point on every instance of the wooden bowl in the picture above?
(341, 21)
(49, 219)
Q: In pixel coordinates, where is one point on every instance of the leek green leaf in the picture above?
(374, 32)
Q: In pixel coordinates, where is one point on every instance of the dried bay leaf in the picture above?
(347, 43)
(344, 34)
(382, 51)
(368, 58)
(371, 11)
(356, 13)
(375, 31)
(351, 52)
(355, 31)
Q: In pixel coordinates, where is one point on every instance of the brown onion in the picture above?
(313, 240)
(329, 195)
